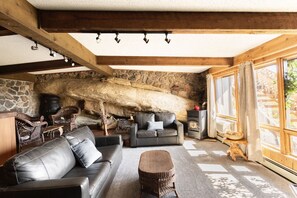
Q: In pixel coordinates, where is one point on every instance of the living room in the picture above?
(151, 62)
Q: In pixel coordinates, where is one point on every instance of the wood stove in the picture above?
(197, 124)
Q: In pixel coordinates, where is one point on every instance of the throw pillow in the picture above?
(86, 152)
(152, 126)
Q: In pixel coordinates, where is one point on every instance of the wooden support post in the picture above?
(104, 117)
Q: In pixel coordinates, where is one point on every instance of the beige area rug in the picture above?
(203, 170)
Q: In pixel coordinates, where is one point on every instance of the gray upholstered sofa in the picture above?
(51, 170)
(144, 133)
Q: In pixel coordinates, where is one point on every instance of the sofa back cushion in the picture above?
(167, 118)
(79, 134)
(52, 160)
(142, 119)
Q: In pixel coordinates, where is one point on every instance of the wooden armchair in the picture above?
(29, 129)
(66, 116)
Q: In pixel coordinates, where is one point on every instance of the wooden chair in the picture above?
(29, 129)
(66, 116)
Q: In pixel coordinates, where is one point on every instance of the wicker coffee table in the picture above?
(156, 173)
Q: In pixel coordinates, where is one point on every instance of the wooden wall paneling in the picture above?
(8, 145)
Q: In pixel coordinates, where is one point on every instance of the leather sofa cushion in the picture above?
(109, 153)
(143, 118)
(97, 174)
(146, 134)
(52, 160)
(167, 132)
(167, 118)
(78, 135)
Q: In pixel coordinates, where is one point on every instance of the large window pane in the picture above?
(294, 145)
(290, 82)
(270, 137)
(225, 96)
(267, 95)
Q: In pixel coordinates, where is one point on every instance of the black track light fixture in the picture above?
(146, 40)
(98, 39)
(52, 53)
(117, 38)
(34, 47)
(166, 38)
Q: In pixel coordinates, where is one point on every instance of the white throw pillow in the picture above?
(152, 126)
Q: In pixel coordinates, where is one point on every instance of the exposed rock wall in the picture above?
(186, 85)
(128, 91)
(121, 97)
(18, 96)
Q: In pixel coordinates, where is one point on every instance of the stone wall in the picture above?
(187, 85)
(18, 96)
(128, 91)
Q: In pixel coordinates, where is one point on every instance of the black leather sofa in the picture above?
(141, 135)
(51, 170)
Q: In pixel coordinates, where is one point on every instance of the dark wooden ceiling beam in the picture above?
(33, 67)
(20, 76)
(154, 60)
(176, 22)
(21, 17)
(6, 32)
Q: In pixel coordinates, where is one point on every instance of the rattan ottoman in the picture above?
(156, 173)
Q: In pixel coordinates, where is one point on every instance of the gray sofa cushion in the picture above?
(109, 153)
(167, 132)
(52, 160)
(167, 118)
(97, 174)
(143, 118)
(146, 134)
(78, 135)
(86, 152)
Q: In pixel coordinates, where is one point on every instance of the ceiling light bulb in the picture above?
(146, 40)
(166, 38)
(34, 47)
(65, 59)
(72, 63)
(98, 39)
(116, 38)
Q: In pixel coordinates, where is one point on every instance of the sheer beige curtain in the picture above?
(248, 111)
(211, 107)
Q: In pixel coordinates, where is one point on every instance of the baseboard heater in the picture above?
(280, 169)
(276, 167)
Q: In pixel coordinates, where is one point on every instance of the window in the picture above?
(290, 91)
(267, 95)
(294, 145)
(225, 96)
(269, 137)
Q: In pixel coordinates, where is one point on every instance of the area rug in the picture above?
(202, 170)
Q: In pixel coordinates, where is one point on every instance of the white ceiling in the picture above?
(17, 49)
(170, 5)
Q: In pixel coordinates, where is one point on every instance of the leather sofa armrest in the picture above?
(133, 132)
(108, 140)
(77, 187)
(180, 131)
